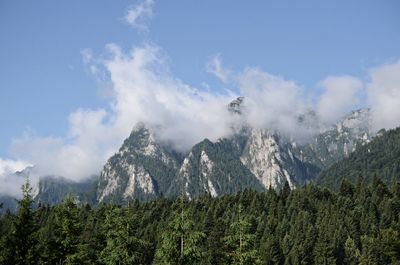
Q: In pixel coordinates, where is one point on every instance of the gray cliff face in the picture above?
(338, 141)
(270, 158)
(141, 169)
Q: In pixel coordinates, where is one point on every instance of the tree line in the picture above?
(358, 224)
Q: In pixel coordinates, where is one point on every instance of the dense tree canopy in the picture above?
(359, 224)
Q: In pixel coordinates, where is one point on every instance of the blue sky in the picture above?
(43, 78)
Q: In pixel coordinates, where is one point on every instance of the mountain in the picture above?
(337, 141)
(145, 168)
(51, 190)
(142, 169)
(213, 168)
(380, 157)
(7, 202)
(253, 158)
(270, 157)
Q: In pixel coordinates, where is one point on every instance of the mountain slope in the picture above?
(270, 158)
(337, 141)
(380, 157)
(142, 169)
(51, 190)
(213, 168)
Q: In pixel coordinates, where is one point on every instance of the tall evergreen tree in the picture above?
(240, 241)
(24, 227)
(352, 253)
(122, 246)
(68, 228)
(182, 243)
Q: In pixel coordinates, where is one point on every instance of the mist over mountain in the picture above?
(143, 90)
(139, 84)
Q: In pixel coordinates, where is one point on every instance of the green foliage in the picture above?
(23, 229)
(311, 225)
(122, 245)
(240, 241)
(181, 243)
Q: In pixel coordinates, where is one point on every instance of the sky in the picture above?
(76, 76)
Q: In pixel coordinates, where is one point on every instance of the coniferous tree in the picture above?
(181, 244)
(68, 227)
(122, 246)
(352, 253)
(24, 227)
(240, 241)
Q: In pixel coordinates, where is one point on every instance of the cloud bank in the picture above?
(11, 184)
(383, 92)
(341, 94)
(144, 90)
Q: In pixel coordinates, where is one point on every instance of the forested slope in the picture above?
(380, 157)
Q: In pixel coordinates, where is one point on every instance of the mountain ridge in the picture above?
(145, 168)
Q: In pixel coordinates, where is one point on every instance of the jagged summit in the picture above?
(235, 106)
(337, 141)
(144, 167)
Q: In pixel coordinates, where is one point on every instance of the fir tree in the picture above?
(122, 246)
(181, 244)
(240, 241)
(24, 227)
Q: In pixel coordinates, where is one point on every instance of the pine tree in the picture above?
(122, 246)
(68, 228)
(352, 253)
(182, 243)
(24, 227)
(240, 242)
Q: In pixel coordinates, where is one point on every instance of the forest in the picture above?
(358, 224)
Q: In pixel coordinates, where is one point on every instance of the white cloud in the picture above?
(383, 92)
(145, 91)
(341, 94)
(214, 66)
(8, 166)
(139, 15)
(11, 183)
(271, 101)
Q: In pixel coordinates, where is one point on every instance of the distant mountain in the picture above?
(51, 190)
(8, 202)
(337, 141)
(145, 168)
(380, 157)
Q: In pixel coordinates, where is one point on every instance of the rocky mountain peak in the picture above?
(235, 105)
(139, 169)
